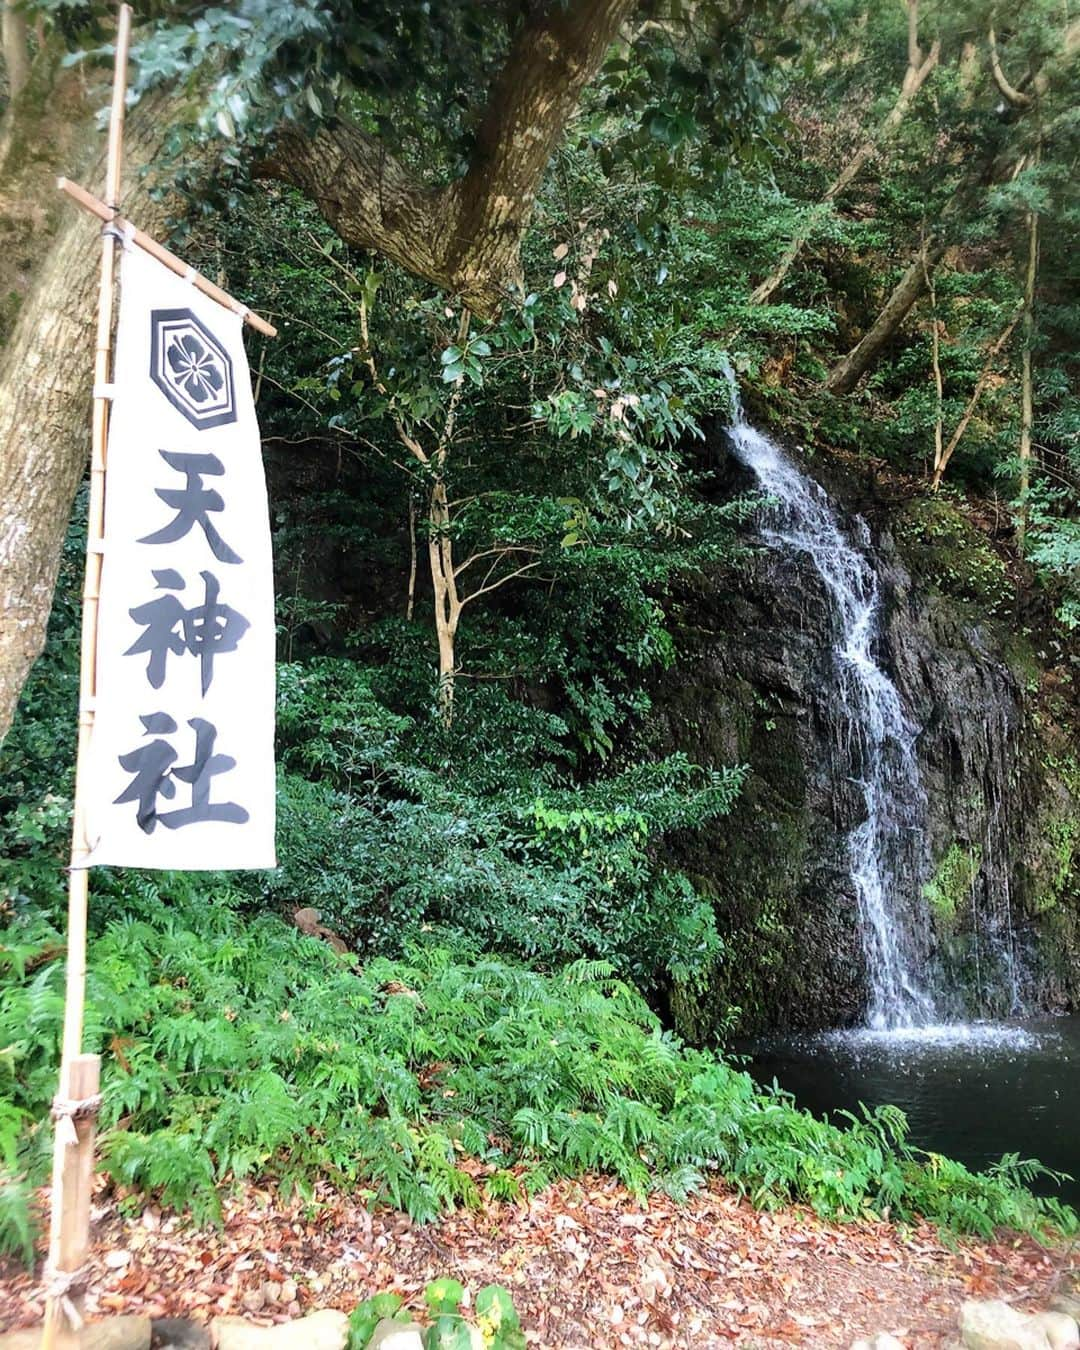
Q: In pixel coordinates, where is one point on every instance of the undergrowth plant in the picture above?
(236, 1047)
(494, 1320)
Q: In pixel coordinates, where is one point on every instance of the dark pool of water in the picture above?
(971, 1092)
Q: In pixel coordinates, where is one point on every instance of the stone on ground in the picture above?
(115, 1333)
(391, 1335)
(993, 1325)
(324, 1330)
(882, 1341)
(1060, 1330)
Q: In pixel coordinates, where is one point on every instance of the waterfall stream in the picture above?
(886, 849)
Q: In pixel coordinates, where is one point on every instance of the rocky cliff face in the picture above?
(1002, 786)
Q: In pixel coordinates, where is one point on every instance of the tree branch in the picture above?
(1010, 93)
(486, 589)
(464, 237)
(973, 401)
(919, 68)
(501, 551)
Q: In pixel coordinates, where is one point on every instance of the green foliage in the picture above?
(235, 1046)
(1054, 549)
(382, 835)
(495, 1318)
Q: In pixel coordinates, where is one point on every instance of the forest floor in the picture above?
(587, 1264)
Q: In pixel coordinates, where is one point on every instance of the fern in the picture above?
(234, 1049)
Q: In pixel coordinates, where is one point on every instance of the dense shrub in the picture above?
(236, 1047)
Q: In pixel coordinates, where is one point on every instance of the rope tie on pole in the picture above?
(66, 1111)
(61, 1285)
(124, 234)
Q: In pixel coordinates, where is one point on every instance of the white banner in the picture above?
(181, 771)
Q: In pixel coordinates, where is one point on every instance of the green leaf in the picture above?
(445, 1295)
(495, 1303)
(448, 1333)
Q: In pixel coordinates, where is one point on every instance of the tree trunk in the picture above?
(466, 236)
(447, 600)
(411, 596)
(46, 368)
(939, 387)
(1027, 402)
(13, 39)
(847, 372)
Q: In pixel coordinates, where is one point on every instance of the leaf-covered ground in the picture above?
(588, 1266)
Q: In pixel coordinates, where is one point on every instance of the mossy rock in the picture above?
(948, 892)
(950, 554)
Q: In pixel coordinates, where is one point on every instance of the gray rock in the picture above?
(327, 1329)
(1060, 1329)
(391, 1335)
(882, 1341)
(1067, 1303)
(993, 1325)
(114, 1333)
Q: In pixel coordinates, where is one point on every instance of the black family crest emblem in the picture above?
(191, 368)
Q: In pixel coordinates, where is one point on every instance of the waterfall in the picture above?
(886, 848)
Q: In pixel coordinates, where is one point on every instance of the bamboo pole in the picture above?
(75, 1107)
(164, 256)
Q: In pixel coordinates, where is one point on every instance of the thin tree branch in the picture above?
(1009, 91)
(500, 551)
(494, 586)
(969, 411)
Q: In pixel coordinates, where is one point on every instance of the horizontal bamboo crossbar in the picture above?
(98, 208)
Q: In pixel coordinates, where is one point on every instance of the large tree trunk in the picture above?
(46, 363)
(464, 237)
(15, 47)
(848, 371)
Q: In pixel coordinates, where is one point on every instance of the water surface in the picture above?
(973, 1092)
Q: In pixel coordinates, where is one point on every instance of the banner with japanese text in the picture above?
(181, 771)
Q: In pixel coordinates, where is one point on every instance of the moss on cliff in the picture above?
(949, 553)
(949, 890)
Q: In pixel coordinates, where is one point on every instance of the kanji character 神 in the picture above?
(205, 630)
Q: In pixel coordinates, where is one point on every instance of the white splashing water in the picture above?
(885, 849)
